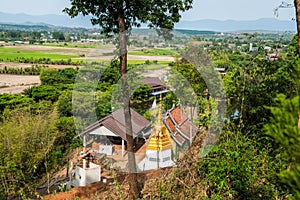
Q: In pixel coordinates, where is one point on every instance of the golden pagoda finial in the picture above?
(160, 139)
(160, 116)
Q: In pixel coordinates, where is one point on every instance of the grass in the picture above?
(12, 54)
(162, 62)
(154, 52)
(132, 62)
(78, 45)
(155, 66)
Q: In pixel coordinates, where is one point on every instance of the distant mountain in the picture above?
(56, 20)
(265, 24)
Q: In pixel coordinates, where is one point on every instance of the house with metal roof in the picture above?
(157, 86)
(110, 132)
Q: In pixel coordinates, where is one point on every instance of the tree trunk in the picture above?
(297, 7)
(132, 178)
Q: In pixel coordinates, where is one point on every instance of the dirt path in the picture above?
(105, 190)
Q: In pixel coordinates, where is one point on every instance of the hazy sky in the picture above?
(202, 9)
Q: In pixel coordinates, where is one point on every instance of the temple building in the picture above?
(181, 129)
(158, 148)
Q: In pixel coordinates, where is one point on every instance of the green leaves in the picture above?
(105, 13)
(238, 168)
(283, 128)
(25, 141)
(251, 84)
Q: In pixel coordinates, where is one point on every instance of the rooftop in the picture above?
(115, 122)
(180, 127)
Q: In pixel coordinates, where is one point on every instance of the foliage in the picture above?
(142, 99)
(252, 84)
(184, 75)
(33, 70)
(64, 141)
(45, 92)
(13, 102)
(244, 169)
(103, 104)
(106, 13)
(24, 151)
(283, 128)
(58, 76)
(64, 104)
(293, 47)
(109, 76)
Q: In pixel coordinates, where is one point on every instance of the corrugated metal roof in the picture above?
(154, 82)
(115, 122)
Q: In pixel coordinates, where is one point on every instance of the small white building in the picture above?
(88, 173)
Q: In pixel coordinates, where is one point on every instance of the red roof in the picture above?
(178, 115)
(181, 129)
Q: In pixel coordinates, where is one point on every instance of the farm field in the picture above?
(11, 54)
(153, 52)
(14, 84)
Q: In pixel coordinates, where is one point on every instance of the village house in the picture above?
(108, 134)
(157, 86)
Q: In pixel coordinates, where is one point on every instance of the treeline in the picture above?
(33, 70)
(13, 35)
(43, 61)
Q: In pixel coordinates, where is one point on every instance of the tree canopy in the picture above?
(106, 13)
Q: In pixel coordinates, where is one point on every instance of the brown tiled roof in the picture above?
(171, 125)
(178, 116)
(181, 129)
(115, 122)
(173, 131)
(154, 82)
(187, 129)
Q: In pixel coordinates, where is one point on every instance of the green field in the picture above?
(79, 45)
(155, 66)
(160, 62)
(7, 54)
(134, 62)
(154, 52)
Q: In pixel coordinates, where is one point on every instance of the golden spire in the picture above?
(160, 139)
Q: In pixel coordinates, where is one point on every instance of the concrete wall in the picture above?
(156, 159)
(87, 176)
(106, 149)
